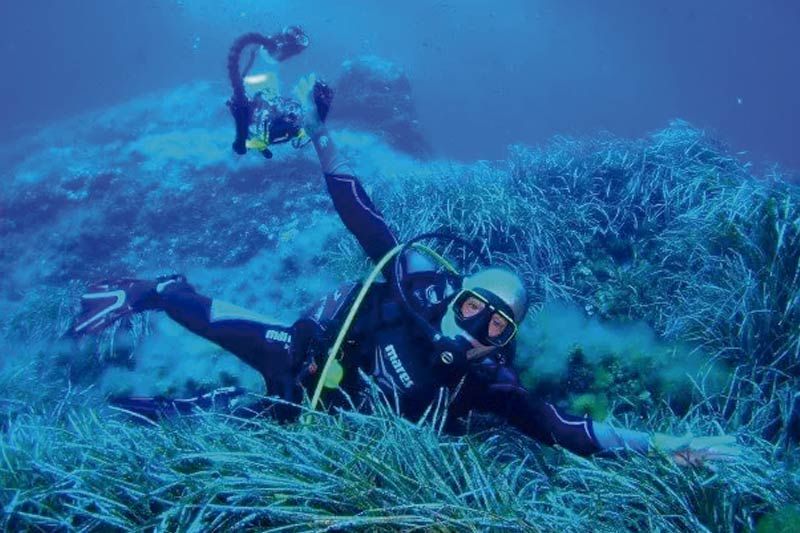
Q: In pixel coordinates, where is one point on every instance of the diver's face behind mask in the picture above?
(487, 310)
(484, 316)
(481, 318)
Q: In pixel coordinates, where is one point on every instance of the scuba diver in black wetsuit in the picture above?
(425, 337)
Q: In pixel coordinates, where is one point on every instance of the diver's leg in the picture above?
(278, 352)
(224, 399)
(253, 338)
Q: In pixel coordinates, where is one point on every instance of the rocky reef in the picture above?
(375, 95)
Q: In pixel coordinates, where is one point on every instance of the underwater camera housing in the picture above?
(265, 119)
(276, 120)
(279, 120)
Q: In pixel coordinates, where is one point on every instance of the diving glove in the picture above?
(695, 451)
(315, 96)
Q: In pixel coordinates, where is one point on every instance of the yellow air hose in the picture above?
(351, 315)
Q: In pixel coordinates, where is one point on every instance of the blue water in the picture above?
(485, 74)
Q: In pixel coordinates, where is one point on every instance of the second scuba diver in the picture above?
(424, 337)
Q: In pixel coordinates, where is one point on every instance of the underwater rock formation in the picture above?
(374, 94)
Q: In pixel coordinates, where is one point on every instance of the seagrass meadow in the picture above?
(678, 268)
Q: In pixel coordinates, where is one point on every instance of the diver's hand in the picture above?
(304, 93)
(698, 451)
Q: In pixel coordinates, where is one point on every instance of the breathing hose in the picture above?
(368, 282)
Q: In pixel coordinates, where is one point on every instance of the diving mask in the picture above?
(484, 316)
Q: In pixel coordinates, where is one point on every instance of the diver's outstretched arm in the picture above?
(355, 208)
(538, 419)
(584, 436)
(350, 199)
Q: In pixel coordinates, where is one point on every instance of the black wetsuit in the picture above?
(383, 342)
